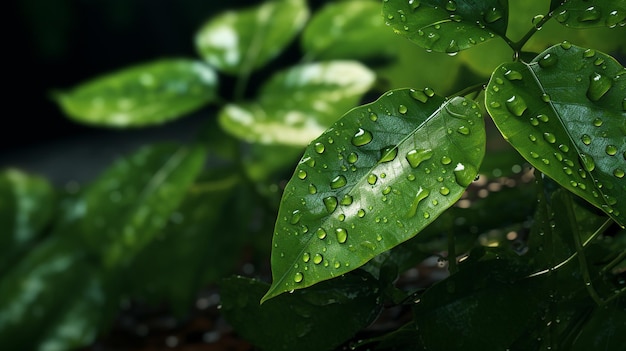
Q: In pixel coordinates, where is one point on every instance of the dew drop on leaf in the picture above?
(588, 162)
(516, 105)
(549, 137)
(548, 60)
(371, 179)
(402, 109)
(342, 235)
(417, 156)
(298, 277)
(319, 147)
(513, 75)
(361, 137)
(302, 174)
(597, 122)
(321, 233)
(346, 200)
(418, 95)
(330, 203)
(492, 15)
(445, 160)
(312, 189)
(590, 14)
(295, 217)
(611, 150)
(306, 257)
(444, 191)
(619, 173)
(586, 139)
(464, 174)
(598, 86)
(317, 259)
(463, 130)
(388, 154)
(338, 182)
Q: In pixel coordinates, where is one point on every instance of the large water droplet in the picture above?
(611, 150)
(298, 277)
(346, 200)
(516, 105)
(588, 162)
(418, 95)
(445, 160)
(342, 235)
(590, 14)
(312, 189)
(306, 257)
(453, 48)
(549, 137)
(492, 15)
(361, 137)
(463, 130)
(444, 191)
(338, 182)
(586, 139)
(513, 75)
(295, 217)
(402, 109)
(536, 21)
(451, 5)
(548, 60)
(388, 154)
(419, 196)
(615, 18)
(302, 174)
(371, 179)
(597, 122)
(321, 233)
(619, 173)
(464, 174)
(330, 203)
(317, 259)
(319, 147)
(562, 16)
(417, 156)
(598, 86)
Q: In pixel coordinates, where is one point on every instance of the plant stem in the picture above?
(517, 46)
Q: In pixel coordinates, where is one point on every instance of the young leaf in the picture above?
(447, 25)
(373, 180)
(26, 208)
(583, 14)
(319, 318)
(349, 30)
(237, 42)
(125, 207)
(146, 94)
(298, 104)
(565, 113)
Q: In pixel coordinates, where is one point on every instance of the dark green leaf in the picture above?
(130, 203)
(565, 113)
(191, 239)
(318, 318)
(447, 25)
(585, 13)
(297, 105)
(146, 94)
(41, 299)
(237, 42)
(604, 330)
(349, 30)
(26, 206)
(373, 180)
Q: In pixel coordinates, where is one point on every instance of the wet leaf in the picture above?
(146, 94)
(123, 210)
(26, 207)
(237, 42)
(373, 180)
(349, 30)
(447, 25)
(565, 113)
(298, 104)
(603, 330)
(319, 318)
(585, 14)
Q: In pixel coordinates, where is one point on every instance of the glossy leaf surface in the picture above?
(298, 104)
(237, 42)
(26, 207)
(565, 112)
(146, 94)
(319, 318)
(349, 30)
(131, 201)
(585, 13)
(373, 180)
(447, 26)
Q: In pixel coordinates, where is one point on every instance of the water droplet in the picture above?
(298, 277)
(388, 154)
(566, 45)
(321, 233)
(532, 137)
(302, 174)
(402, 109)
(451, 6)
(419, 196)
(597, 122)
(534, 122)
(295, 217)
(312, 189)
(516, 105)
(373, 117)
(562, 16)
(417, 156)
(513, 75)
(319, 147)
(361, 213)
(463, 130)
(330, 203)
(545, 97)
(567, 170)
(586, 139)
(615, 18)
(534, 154)
(589, 53)
(429, 92)
(590, 14)
(549, 137)
(338, 182)
(446, 160)
(346, 200)
(464, 174)
(536, 21)
(599, 61)
(342, 235)
(453, 48)
(618, 172)
(558, 156)
(588, 162)
(494, 104)
(611, 150)
(418, 95)
(306, 257)
(598, 86)
(341, 217)
(543, 118)
(317, 259)
(361, 137)
(564, 148)
(426, 215)
(371, 179)
(492, 15)
(548, 60)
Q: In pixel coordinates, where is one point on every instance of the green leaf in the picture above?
(319, 318)
(238, 42)
(373, 180)
(298, 104)
(564, 112)
(123, 210)
(603, 330)
(191, 239)
(146, 94)
(47, 286)
(349, 30)
(26, 206)
(585, 14)
(446, 25)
